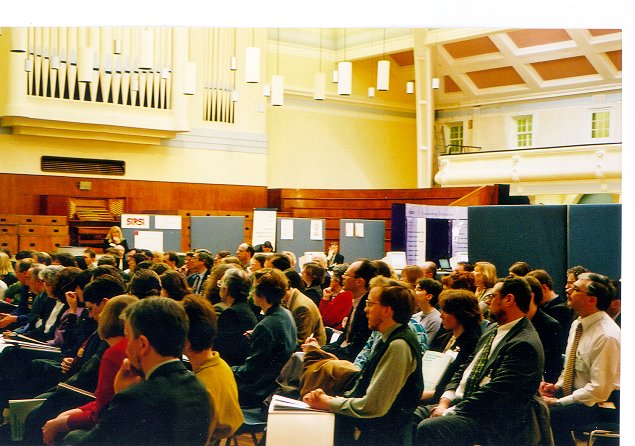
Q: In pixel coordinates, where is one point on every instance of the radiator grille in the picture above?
(85, 166)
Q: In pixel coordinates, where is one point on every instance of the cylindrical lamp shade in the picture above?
(410, 87)
(319, 89)
(28, 65)
(252, 64)
(336, 76)
(277, 90)
(19, 38)
(55, 63)
(345, 84)
(116, 46)
(189, 78)
(266, 90)
(233, 64)
(165, 73)
(234, 96)
(383, 75)
(134, 83)
(435, 83)
(146, 50)
(85, 64)
(371, 92)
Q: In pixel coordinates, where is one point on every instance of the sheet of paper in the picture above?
(349, 229)
(167, 222)
(152, 240)
(359, 229)
(264, 227)
(286, 229)
(316, 230)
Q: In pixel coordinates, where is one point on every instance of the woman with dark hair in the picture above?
(336, 302)
(461, 319)
(273, 340)
(231, 343)
(145, 283)
(65, 291)
(174, 285)
(313, 276)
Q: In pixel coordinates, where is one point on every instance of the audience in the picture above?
(174, 285)
(313, 276)
(273, 340)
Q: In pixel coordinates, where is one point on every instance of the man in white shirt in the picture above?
(591, 375)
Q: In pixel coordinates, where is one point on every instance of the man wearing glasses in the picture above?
(381, 400)
(590, 381)
(491, 396)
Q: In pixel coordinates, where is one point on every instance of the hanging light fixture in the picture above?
(371, 92)
(252, 62)
(266, 90)
(146, 49)
(383, 70)
(233, 63)
(232, 66)
(435, 83)
(435, 79)
(410, 87)
(345, 74)
(19, 39)
(319, 87)
(277, 81)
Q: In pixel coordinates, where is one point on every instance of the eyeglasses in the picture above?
(370, 303)
(576, 289)
(345, 275)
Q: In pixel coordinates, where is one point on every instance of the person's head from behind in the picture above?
(459, 308)
(278, 261)
(65, 281)
(258, 261)
(64, 259)
(294, 279)
(411, 273)
(270, 287)
(202, 323)
(519, 269)
(384, 269)
(174, 285)
(110, 324)
(235, 286)
(156, 329)
(145, 283)
(99, 291)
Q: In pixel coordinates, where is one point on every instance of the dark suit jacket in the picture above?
(170, 408)
(557, 308)
(231, 343)
(550, 333)
(503, 406)
(190, 280)
(357, 334)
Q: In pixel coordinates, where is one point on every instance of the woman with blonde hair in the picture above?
(115, 238)
(7, 274)
(484, 278)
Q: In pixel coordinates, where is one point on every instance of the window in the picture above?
(524, 131)
(600, 124)
(456, 138)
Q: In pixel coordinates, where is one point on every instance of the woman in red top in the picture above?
(110, 329)
(336, 302)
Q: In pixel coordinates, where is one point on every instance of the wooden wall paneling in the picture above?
(10, 242)
(42, 230)
(8, 230)
(42, 243)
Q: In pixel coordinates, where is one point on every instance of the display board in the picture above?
(153, 232)
(537, 235)
(300, 235)
(595, 238)
(362, 239)
(217, 233)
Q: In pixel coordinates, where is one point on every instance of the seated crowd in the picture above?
(133, 347)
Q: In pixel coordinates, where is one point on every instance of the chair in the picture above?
(255, 421)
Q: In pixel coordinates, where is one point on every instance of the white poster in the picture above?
(264, 227)
(152, 240)
(349, 229)
(286, 229)
(316, 230)
(135, 221)
(359, 229)
(167, 222)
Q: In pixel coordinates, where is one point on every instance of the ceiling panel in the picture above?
(495, 77)
(471, 47)
(563, 68)
(524, 38)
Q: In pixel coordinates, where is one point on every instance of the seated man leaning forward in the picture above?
(384, 395)
(157, 400)
(492, 393)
